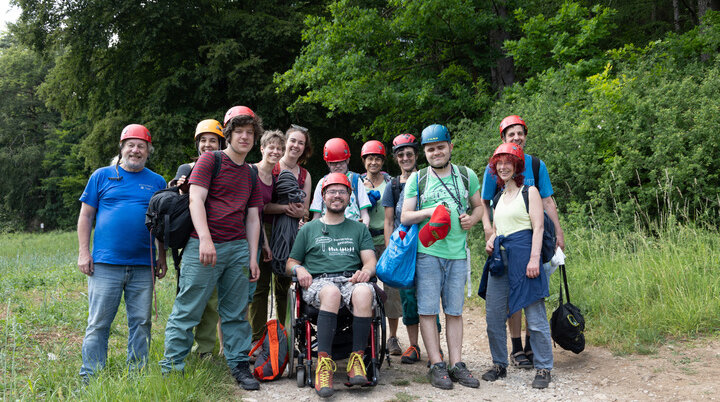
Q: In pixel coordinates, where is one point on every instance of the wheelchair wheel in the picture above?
(301, 378)
(290, 328)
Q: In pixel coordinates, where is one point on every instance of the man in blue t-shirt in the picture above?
(513, 129)
(116, 197)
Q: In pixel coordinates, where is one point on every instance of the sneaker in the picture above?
(542, 379)
(411, 355)
(459, 373)
(442, 357)
(497, 371)
(244, 377)
(324, 375)
(439, 377)
(356, 369)
(394, 346)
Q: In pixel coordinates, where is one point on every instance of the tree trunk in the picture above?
(503, 74)
(702, 7)
(676, 15)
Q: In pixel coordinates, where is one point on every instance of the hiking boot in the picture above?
(393, 345)
(439, 377)
(497, 371)
(324, 375)
(459, 373)
(542, 379)
(442, 357)
(411, 355)
(244, 377)
(356, 369)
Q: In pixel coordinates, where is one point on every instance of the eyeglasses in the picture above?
(403, 155)
(337, 192)
(299, 128)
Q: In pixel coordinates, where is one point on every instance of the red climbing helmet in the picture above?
(336, 178)
(372, 147)
(237, 111)
(336, 150)
(135, 131)
(404, 140)
(511, 149)
(511, 121)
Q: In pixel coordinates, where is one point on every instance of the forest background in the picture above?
(622, 99)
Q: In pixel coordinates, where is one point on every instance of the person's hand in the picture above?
(301, 222)
(533, 268)
(161, 268)
(490, 246)
(359, 276)
(295, 210)
(466, 222)
(85, 264)
(560, 240)
(208, 256)
(254, 271)
(304, 277)
(266, 253)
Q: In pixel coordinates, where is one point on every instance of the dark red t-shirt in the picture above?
(227, 196)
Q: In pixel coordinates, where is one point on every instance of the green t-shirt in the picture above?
(336, 251)
(377, 215)
(453, 246)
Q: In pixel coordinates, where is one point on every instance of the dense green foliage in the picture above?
(632, 143)
(594, 79)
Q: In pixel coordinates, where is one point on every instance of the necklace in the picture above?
(294, 170)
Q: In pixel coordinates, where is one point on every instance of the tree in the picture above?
(24, 122)
(397, 65)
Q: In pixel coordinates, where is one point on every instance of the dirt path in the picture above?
(678, 372)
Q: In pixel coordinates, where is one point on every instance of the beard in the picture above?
(336, 210)
(132, 165)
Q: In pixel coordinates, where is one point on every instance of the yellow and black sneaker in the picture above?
(324, 375)
(356, 369)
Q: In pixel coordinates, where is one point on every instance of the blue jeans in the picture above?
(496, 308)
(197, 282)
(105, 289)
(440, 279)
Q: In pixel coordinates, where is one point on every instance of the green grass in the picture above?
(636, 291)
(43, 314)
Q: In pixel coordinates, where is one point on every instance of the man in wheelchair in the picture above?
(325, 252)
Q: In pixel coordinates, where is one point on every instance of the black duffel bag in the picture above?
(567, 324)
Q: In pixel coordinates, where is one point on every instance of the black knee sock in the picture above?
(516, 345)
(528, 348)
(326, 324)
(361, 332)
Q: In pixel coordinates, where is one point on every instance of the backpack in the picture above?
(547, 250)
(273, 358)
(567, 325)
(168, 215)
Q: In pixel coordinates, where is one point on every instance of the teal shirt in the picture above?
(453, 246)
(336, 251)
(377, 214)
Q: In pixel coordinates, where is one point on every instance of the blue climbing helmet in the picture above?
(434, 133)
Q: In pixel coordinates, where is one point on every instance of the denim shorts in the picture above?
(440, 279)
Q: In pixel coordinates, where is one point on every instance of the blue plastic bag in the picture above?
(396, 266)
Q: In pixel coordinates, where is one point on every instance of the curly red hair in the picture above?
(518, 163)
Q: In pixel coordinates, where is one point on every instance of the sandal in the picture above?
(529, 355)
(519, 359)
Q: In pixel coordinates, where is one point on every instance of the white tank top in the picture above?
(512, 217)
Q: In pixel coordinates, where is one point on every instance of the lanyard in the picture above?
(457, 191)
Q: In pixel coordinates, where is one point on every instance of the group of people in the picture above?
(252, 221)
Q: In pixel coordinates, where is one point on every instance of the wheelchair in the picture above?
(302, 342)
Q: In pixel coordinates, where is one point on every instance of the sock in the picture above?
(516, 345)
(326, 324)
(528, 347)
(361, 331)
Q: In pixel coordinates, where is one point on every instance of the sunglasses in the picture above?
(299, 128)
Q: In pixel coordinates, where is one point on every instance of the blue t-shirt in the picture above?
(489, 186)
(121, 237)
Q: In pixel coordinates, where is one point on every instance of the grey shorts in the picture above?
(311, 295)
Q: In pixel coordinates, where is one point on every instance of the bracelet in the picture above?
(294, 268)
